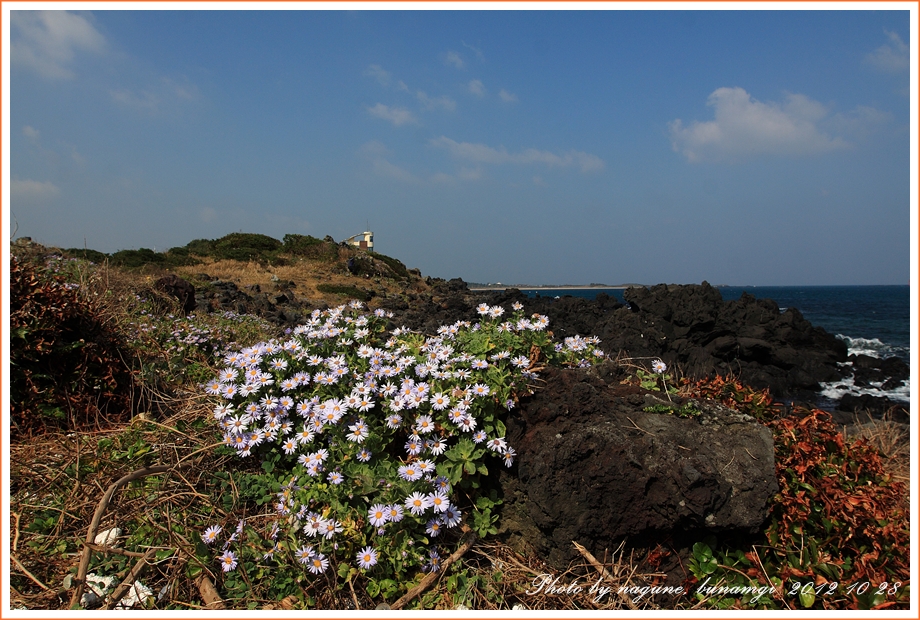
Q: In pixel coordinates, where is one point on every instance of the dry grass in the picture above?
(305, 274)
(892, 440)
(57, 482)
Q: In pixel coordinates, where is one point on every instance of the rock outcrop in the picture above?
(183, 290)
(595, 467)
(688, 326)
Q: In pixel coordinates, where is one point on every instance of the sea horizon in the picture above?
(475, 286)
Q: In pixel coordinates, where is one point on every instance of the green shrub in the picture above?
(86, 254)
(200, 247)
(246, 246)
(133, 259)
(310, 247)
(297, 243)
(397, 267)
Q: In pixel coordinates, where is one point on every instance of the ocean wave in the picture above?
(835, 390)
(873, 347)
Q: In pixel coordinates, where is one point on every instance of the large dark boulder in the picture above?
(596, 468)
(183, 290)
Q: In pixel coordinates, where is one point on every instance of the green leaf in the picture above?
(807, 595)
(373, 589)
(702, 552)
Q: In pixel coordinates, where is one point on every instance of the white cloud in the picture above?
(384, 168)
(443, 101)
(477, 88)
(892, 57)
(475, 50)
(208, 214)
(453, 58)
(859, 123)
(442, 177)
(145, 101)
(507, 97)
(30, 132)
(397, 116)
(378, 153)
(469, 174)
(27, 190)
(745, 126)
(377, 72)
(185, 90)
(46, 42)
(484, 154)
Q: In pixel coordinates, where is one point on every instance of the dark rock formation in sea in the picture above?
(689, 326)
(595, 467)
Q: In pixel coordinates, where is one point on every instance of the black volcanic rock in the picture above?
(688, 326)
(183, 290)
(594, 467)
(875, 407)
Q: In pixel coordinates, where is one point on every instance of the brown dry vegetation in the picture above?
(306, 274)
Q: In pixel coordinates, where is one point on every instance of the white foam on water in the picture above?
(835, 390)
(873, 347)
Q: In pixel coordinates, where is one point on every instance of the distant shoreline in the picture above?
(565, 287)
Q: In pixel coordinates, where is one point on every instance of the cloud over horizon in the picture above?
(28, 190)
(745, 126)
(430, 103)
(46, 42)
(484, 154)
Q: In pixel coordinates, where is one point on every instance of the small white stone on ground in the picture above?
(107, 537)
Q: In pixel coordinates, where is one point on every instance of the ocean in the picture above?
(872, 320)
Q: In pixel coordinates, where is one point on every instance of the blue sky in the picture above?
(523, 146)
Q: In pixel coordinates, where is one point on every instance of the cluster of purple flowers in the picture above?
(332, 394)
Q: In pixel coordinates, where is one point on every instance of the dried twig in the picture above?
(133, 575)
(602, 571)
(27, 573)
(16, 535)
(115, 550)
(288, 602)
(637, 427)
(80, 580)
(209, 593)
(425, 583)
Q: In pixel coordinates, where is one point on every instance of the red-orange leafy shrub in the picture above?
(838, 517)
(838, 535)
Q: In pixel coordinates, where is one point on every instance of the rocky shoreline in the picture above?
(690, 327)
(626, 465)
